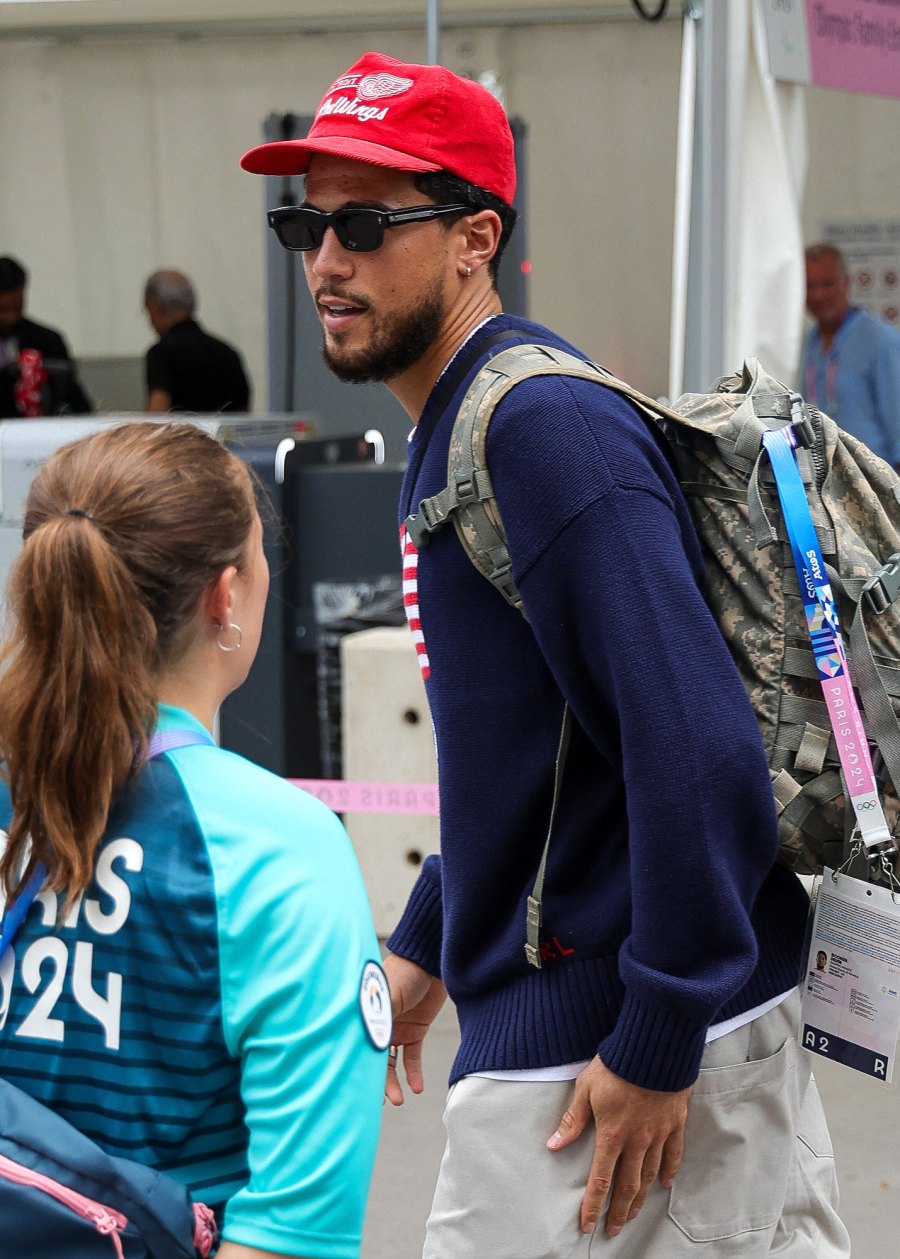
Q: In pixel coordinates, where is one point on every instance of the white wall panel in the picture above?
(854, 169)
(600, 103)
(120, 155)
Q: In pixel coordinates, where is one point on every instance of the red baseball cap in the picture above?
(406, 117)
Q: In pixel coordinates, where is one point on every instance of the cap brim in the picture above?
(292, 157)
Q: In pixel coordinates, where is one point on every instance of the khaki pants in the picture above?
(757, 1178)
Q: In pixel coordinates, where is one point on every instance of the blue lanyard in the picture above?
(827, 641)
(158, 743)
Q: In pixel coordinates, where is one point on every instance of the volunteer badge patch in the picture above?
(375, 1005)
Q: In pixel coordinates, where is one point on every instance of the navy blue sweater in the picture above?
(663, 912)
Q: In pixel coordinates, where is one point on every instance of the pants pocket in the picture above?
(813, 1128)
(739, 1149)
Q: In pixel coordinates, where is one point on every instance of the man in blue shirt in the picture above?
(851, 360)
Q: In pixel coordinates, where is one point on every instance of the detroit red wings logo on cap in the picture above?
(406, 117)
(374, 86)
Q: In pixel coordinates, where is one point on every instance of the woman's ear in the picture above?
(218, 602)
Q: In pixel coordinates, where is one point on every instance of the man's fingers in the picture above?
(671, 1158)
(572, 1124)
(392, 1090)
(412, 1066)
(597, 1190)
(633, 1181)
(411, 1055)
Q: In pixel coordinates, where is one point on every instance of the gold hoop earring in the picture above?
(237, 629)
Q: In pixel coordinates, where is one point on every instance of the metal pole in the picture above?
(432, 31)
(684, 166)
(706, 314)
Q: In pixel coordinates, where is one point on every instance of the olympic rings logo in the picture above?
(866, 806)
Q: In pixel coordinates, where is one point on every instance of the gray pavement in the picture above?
(864, 1118)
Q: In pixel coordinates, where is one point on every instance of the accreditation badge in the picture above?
(851, 984)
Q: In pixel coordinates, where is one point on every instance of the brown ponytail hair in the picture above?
(124, 531)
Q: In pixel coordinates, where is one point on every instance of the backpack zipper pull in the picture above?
(107, 1223)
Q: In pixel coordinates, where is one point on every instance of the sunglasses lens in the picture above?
(297, 228)
(303, 230)
(359, 230)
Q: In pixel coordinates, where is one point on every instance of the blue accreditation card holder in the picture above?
(851, 984)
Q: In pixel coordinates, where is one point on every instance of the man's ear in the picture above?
(483, 231)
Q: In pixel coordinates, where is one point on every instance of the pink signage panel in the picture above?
(854, 45)
(371, 797)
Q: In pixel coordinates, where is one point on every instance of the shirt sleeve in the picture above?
(157, 366)
(418, 934)
(887, 386)
(243, 391)
(295, 938)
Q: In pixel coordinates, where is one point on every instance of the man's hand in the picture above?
(640, 1134)
(416, 998)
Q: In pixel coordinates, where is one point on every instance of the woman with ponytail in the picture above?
(195, 986)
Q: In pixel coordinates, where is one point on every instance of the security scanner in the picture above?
(334, 557)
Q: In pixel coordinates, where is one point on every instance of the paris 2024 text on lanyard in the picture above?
(851, 976)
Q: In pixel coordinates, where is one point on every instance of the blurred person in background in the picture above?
(850, 366)
(37, 374)
(188, 370)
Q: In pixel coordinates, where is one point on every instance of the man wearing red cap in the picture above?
(656, 1034)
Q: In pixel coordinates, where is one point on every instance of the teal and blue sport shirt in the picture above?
(203, 1008)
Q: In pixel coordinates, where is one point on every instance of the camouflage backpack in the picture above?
(753, 590)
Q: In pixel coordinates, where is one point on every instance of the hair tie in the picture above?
(77, 511)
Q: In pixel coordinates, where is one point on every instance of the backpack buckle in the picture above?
(466, 489)
(884, 587)
(429, 516)
(800, 423)
(501, 578)
(417, 528)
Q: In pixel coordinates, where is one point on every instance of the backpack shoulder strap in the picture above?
(468, 498)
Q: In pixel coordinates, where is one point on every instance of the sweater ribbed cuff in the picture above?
(653, 1048)
(418, 934)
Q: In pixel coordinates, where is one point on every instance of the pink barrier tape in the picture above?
(368, 797)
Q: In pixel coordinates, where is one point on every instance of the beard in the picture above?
(398, 341)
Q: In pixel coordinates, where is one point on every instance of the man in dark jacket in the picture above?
(187, 369)
(43, 382)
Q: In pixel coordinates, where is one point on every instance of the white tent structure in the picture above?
(121, 122)
(738, 279)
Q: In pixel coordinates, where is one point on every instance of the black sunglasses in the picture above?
(362, 230)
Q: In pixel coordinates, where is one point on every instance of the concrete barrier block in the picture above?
(387, 737)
